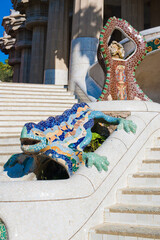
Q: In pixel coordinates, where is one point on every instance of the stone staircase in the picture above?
(21, 103)
(136, 215)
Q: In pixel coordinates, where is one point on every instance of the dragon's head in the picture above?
(33, 139)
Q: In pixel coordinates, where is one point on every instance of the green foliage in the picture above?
(6, 72)
(95, 143)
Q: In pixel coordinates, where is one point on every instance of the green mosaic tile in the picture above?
(3, 232)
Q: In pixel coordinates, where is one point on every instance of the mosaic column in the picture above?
(86, 26)
(155, 16)
(57, 48)
(36, 20)
(133, 12)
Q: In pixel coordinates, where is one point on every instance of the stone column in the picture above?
(25, 65)
(133, 12)
(155, 16)
(37, 54)
(36, 20)
(86, 26)
(23, 44)
(16, 72)
(57, 48)
(15, 60)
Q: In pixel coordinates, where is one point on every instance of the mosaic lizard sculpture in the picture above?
(62, 139)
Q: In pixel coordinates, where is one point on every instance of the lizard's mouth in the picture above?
(29, 141)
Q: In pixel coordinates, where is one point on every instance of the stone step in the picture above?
(36, 104)
(149, 167)
(10, 113)
(139, 196)
(153, 153)
(30, 85)
(26, 118)
(29, 89)
(133, 214)
(11, 129)
(126, 231)
(150, 161)
(34, 93)
(10, 139)
(10, 148)
(33, 96)
(11, 123)
(32, 108)
(94, 236)
(144, 179)
(37, 100)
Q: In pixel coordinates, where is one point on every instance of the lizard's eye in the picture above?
(39, 134)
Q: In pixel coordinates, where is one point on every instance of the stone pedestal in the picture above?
(155, 16)
(133, 12)
(86, 26)
(57, 47)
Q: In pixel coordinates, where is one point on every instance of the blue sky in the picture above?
(4, 11)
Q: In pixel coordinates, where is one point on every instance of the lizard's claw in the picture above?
(99, 162)
(127, 125)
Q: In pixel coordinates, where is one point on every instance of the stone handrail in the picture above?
(76, 204)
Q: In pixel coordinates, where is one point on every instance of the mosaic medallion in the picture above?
(120, 83)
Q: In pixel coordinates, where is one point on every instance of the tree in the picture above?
(6, 72)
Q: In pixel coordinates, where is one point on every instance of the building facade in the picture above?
(52, 41)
